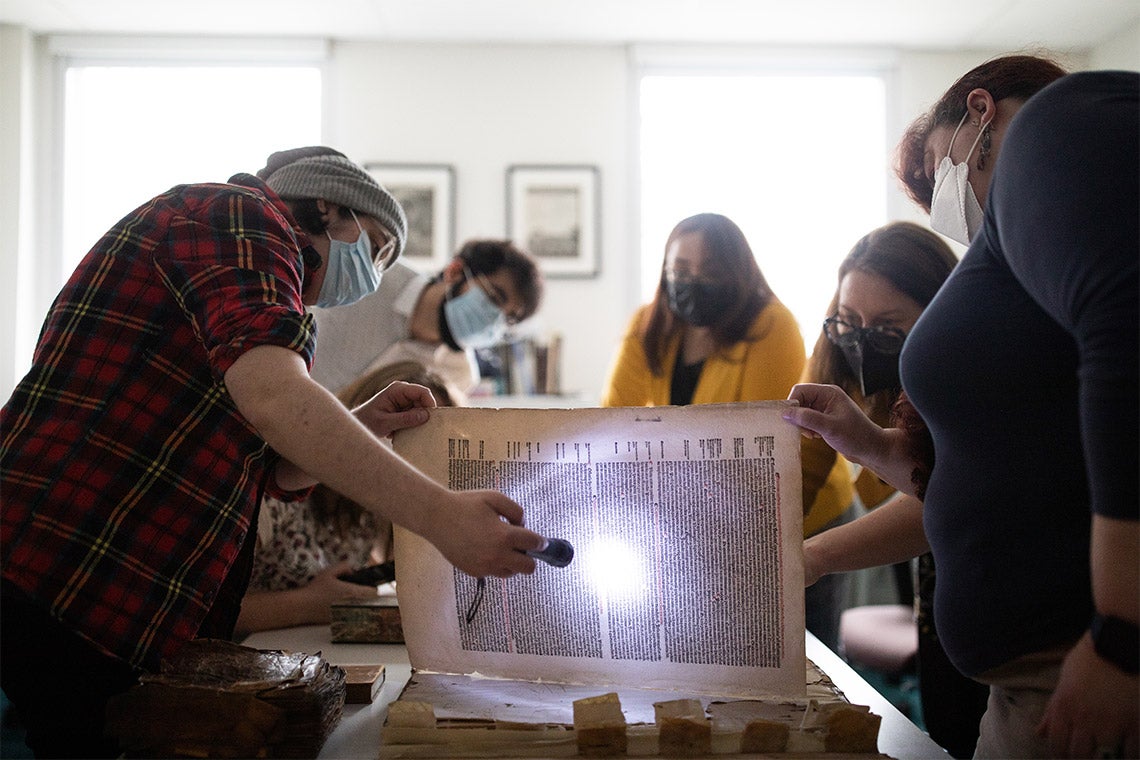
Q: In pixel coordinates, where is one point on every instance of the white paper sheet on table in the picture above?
(687, 528)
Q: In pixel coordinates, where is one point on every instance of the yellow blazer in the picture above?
(827, 488)
(761, 369)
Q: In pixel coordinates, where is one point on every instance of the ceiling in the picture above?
(1062, 25)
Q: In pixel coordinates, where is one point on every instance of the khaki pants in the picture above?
(1019, 692)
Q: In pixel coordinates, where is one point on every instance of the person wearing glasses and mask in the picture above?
(169, 389)
(885, 282)
(1025, 369)
(714, 332)
(488, 287)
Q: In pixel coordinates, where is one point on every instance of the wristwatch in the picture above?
(1117, 640)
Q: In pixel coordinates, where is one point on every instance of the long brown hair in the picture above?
(731, 259)
(1012, 76)
(916, 262)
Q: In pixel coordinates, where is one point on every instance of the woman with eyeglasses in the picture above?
(885, 283)
(714, 332)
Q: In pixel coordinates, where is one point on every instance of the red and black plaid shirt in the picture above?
(129, 478)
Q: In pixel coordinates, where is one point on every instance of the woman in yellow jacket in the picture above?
(714, 331)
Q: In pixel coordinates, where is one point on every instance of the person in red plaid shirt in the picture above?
(168, 391)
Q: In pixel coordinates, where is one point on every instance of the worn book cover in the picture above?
(687, 529)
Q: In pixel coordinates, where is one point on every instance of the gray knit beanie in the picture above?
(320, 172)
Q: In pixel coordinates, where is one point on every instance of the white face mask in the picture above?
(954, 208)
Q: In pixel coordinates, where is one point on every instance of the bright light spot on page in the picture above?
(615, 569)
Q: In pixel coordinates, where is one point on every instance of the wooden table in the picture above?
(358, 735)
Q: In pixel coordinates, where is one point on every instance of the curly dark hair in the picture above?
(489, 256)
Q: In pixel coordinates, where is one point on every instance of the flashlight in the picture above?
(556, 553)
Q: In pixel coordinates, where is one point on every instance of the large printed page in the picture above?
(687, 527)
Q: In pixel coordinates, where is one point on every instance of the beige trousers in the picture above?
(1019, 692)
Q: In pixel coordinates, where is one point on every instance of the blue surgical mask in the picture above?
(474, 320)
(350, 273)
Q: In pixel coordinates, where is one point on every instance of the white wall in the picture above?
(482, 108)
(1121, 51)
(16, 155)
(479, 108)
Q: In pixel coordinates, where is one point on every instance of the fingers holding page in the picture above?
(481, 533)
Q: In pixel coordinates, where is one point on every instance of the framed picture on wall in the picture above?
(553, 214)
(427, 194)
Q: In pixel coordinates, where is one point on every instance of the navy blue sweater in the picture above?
(1025, 367)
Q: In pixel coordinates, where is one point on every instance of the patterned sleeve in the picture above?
(233, 263)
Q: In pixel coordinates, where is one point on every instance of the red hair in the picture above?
(1012, 76)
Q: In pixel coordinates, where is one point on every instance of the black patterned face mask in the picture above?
(697, 302)
(871, 352)
(876, 369)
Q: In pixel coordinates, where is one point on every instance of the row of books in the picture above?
(524, 367)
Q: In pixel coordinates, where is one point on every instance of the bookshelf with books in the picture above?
(523, 372)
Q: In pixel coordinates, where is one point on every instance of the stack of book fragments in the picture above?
(455, 716)
(219, 699)
(677, 630)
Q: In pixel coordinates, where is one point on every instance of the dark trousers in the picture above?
(952, 704)
(57, 681)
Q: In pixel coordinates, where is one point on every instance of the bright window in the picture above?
(798, 162)
(132, 132)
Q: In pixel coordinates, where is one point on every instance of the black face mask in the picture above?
(698, 303)
(444, 328)
(877, 370)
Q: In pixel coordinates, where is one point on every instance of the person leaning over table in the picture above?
(489, 286)
(304, 545)
(168, 390)
(885, 282)
(1024, 368)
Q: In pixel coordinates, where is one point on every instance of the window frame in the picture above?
(60, 53)
(737, 61)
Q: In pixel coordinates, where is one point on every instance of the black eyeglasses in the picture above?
(844, 335)
(497, 297)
